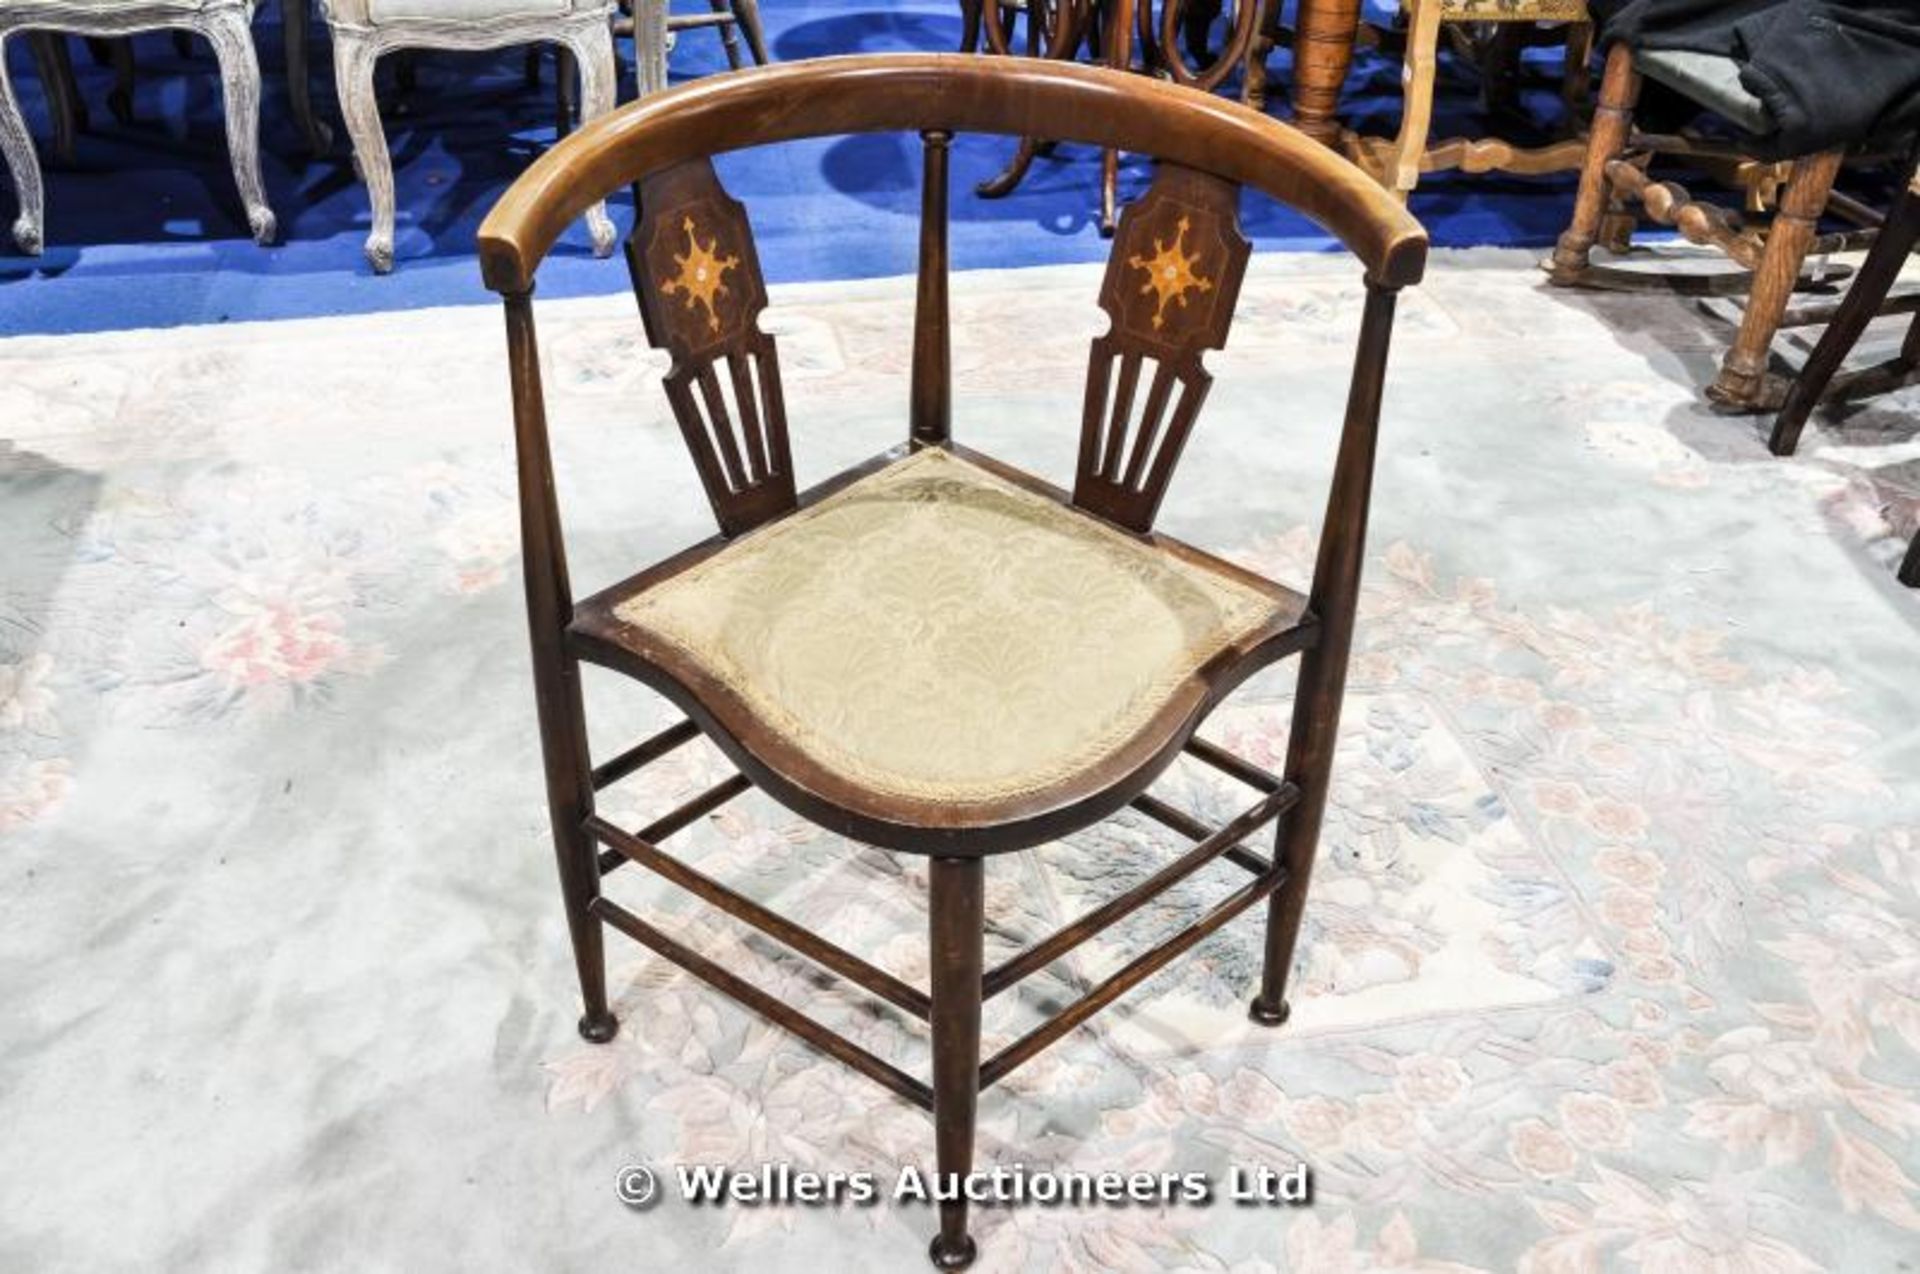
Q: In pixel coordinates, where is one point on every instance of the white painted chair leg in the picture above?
(593, 54)
(353, 57)
(650, 44)
(232, 39)
(23, 165)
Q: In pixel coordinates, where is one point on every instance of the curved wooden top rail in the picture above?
(957, 92)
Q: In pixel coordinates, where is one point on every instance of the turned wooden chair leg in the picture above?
(1742, 382)
(956, 929)
(1416, 110)
(1612, 120)
(1859, 307)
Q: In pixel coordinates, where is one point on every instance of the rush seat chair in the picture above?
(934, 652)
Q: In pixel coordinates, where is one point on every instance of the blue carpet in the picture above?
(144, 229)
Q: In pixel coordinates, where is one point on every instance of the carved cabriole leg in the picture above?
(650, 45)
(556, 674)
(748, 13)
(1612, 119)
(1416, 110)
(22, 164)
(354, 55)
(1333, 601)
(956, 928)
(297, 19)
(592, 49)
(1742, 382)
(232, 38)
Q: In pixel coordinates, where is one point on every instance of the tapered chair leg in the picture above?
(1860, 306)
(1612, 120)
(956, 929)
(747, 12)
(23, 165)
(232, 41)
(569, 803)
(1317, 696)
(1742, 382)
(556, 674)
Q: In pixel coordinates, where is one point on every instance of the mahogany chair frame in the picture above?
(1208, 148)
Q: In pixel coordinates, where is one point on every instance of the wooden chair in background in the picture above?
(1614, 176)
(1397, 162)
(1074, 651)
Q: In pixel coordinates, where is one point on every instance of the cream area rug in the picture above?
(1613, 958)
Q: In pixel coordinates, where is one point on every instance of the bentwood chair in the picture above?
(935, 652)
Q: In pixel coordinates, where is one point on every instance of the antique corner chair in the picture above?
(226, 24)
(1800, 188)
(363, 30)
(821, 638)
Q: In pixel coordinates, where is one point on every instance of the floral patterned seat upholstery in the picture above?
(937, 632)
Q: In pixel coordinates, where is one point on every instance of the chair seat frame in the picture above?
(1208, 147)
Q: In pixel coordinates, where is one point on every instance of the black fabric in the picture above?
(1831, 72)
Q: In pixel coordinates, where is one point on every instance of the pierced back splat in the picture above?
(1172, 279)
(697, 278)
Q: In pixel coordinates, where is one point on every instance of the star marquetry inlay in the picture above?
(700, 274)
(1170, 273)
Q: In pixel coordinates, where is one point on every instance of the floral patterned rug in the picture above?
(1613, 955)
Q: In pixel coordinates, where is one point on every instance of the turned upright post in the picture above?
(931, 402)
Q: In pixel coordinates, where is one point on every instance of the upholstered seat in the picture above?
(937, 633)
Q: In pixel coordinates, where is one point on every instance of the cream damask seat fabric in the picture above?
(936, 632)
